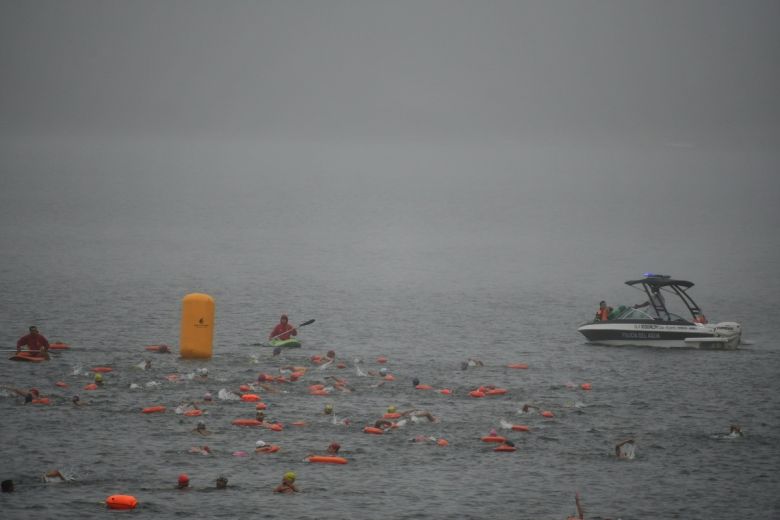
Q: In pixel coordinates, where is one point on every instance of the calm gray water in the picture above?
(428, 257)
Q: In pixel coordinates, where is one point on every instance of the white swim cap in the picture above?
(383, 371)
(207, 396)
(259, 444)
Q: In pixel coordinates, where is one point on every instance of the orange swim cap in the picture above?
(183, 478)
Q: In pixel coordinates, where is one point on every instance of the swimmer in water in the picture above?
(200, 429)
(527, 408)
(625, 449)
(77, 401)
(8, 486)
(735, 431)
(99, 379)
(415, 382)
(288, 484)
(54, 475)
(416, 415)
(28, 395)
(383, 424)
(202, 450)
(471, 362)
(580, 511)
(183, 482)
(328, 410)
(222, 482)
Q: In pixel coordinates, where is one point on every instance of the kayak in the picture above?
(285, 343)
(57, 345)
(27, 356)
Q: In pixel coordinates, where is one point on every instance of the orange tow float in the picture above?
(121, 502)
(326, 460)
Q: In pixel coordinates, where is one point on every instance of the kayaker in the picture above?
(34, 341)
(333, 448)
(283, 330)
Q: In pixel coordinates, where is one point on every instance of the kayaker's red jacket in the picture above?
(285, 328)
(34, 342)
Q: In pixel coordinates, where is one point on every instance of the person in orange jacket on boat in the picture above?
(283, 330)
(603, 313)
(34, 341)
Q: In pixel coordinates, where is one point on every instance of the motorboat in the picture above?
(652, 323)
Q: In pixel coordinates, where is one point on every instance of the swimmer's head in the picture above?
(201, 425)
(415, 381)
(207, 396)
(75, 399)
(328, 409)
(260, 444)
(184, 480)
(391, 409)
(98, 378)
(277, 351)
(289, 476)
(203, 371)
(383, 371)
(221, 482)
(331, 354)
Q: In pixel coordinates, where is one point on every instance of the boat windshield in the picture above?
(633, 314)
(639, 314)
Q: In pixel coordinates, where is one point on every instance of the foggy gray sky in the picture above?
(680, 73)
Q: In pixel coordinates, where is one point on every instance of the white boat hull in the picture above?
(725, 335)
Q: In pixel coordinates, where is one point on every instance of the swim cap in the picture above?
(203, 371)
(328, 408)
(259, 444)
(201, 424)
(415, 381)
(383, 371)
(290, 475)
(207, 397)
(391, 409)
(98, 377)
(331, 354)
(183, 478)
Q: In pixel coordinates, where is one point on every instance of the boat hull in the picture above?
(284, 343)
(661, 334)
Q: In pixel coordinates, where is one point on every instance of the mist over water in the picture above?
(430, 181)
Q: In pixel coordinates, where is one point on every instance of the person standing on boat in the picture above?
(35, 342)
(283, 330)
(603, 313)
(656, 300)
